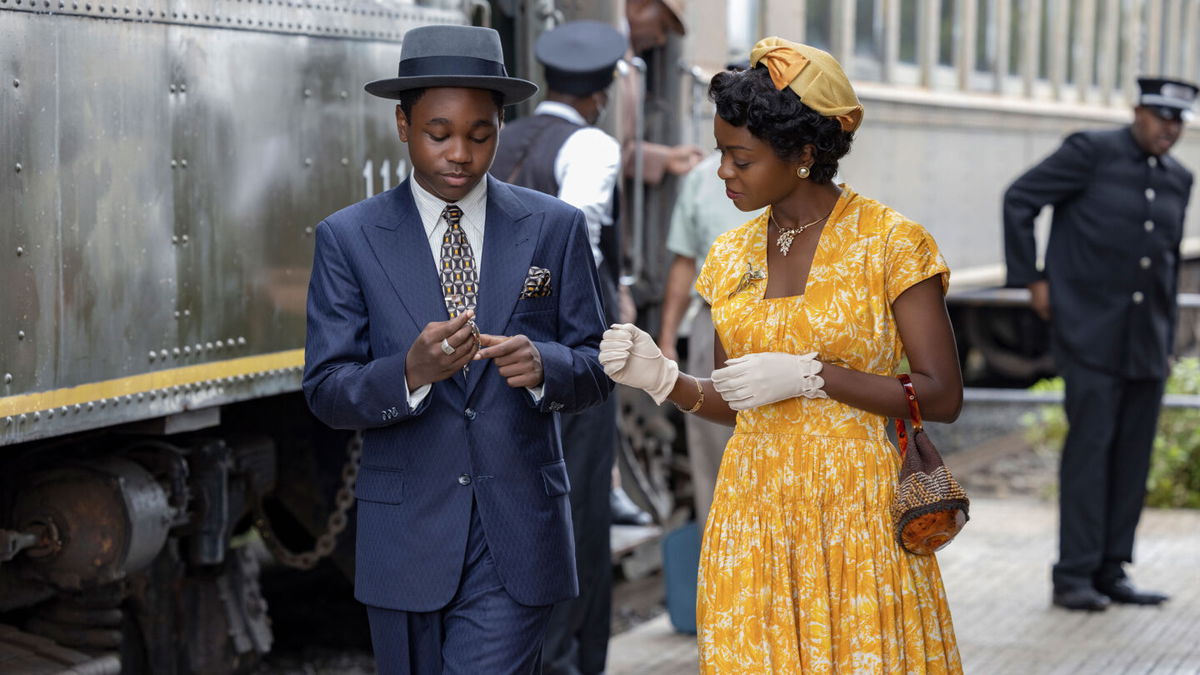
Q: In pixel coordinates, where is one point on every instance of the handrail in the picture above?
(1025, 396)
(1019, 297)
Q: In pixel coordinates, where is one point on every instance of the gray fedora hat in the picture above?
(453, 56)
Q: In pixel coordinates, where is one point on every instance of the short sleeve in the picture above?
(912, 256)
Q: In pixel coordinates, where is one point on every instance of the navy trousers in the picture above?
(481, 630)
(1102, 478)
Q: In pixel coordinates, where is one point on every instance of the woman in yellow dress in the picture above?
(815, 302)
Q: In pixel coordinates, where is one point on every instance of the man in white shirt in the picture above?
(558, 151)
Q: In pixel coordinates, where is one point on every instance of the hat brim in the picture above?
(1171, 113)
(514, 90)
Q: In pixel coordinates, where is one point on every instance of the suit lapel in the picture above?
(402, 249)
(510, 237)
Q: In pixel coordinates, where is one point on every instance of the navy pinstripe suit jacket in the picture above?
(374, 286)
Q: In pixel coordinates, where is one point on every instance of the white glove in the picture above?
(630, 357)
(756, 380)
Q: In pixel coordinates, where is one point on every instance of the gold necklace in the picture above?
(784, 242)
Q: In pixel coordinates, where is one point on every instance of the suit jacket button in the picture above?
(464, 479)
(469, 413)
(1138, 297)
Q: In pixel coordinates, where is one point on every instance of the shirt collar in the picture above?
(431, 206)
(559, 109)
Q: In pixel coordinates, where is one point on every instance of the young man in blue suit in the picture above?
(452, 319)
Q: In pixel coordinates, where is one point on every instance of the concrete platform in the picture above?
(997, 576)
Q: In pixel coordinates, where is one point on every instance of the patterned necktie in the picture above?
(460, 279)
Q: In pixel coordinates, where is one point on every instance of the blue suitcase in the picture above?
(681, 564)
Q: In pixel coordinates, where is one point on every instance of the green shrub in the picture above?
(1174, 480)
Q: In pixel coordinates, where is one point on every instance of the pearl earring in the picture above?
(802, 172)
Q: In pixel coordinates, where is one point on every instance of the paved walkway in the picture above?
(997, 579)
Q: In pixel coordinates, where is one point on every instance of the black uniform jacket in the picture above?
(1113, 256)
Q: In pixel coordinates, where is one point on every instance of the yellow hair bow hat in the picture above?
(813, 75)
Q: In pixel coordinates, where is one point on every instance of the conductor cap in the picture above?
(580, 56)
(1170, 99)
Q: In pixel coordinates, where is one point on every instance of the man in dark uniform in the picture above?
(1108, 288)
(559, 151)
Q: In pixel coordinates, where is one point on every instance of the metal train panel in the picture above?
(173, 163)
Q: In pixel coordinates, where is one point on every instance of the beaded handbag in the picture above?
(930, 508)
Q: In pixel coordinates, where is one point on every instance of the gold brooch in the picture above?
(748, 279)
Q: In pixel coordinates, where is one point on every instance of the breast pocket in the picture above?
(526, 305)
(539, 325)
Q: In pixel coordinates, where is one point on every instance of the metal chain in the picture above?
(334, 525)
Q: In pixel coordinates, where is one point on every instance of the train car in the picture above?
(165, 164)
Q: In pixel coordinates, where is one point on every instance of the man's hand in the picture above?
(517, 359)
(427, 362)
(1039, 298)
(681, 158)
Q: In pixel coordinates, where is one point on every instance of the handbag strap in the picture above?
(914, 410)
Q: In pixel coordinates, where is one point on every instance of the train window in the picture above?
(1016, 13)
(908, 31)
(1049, 9)
(945, 32)
(818, 24)
(868, 28)
(985, 35)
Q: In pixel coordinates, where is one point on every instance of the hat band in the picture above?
(462, 66)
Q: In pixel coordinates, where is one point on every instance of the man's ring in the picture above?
(446, 348)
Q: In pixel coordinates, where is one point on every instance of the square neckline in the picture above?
(760, 249)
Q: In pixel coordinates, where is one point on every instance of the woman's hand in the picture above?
(630, 357)
(756, 380)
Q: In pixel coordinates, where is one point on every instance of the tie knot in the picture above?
(453, 215)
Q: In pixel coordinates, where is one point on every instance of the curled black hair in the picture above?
(748, 98)
(409, 98)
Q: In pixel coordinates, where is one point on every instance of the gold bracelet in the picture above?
(699, 402)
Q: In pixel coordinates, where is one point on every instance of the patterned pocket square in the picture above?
(537, 283)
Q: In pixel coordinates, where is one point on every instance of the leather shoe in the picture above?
(1126, 593)
(1082, 599)
(624, 511)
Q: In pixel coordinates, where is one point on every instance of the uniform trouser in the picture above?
(1102, 478)
(705, 440)
(577, 638)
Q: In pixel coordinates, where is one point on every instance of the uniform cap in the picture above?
(1170, 99)
(580, 56)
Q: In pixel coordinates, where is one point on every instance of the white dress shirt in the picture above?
(586, 169)
(474, 208)
(474, 216)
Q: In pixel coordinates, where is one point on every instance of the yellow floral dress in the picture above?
(800, 572)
